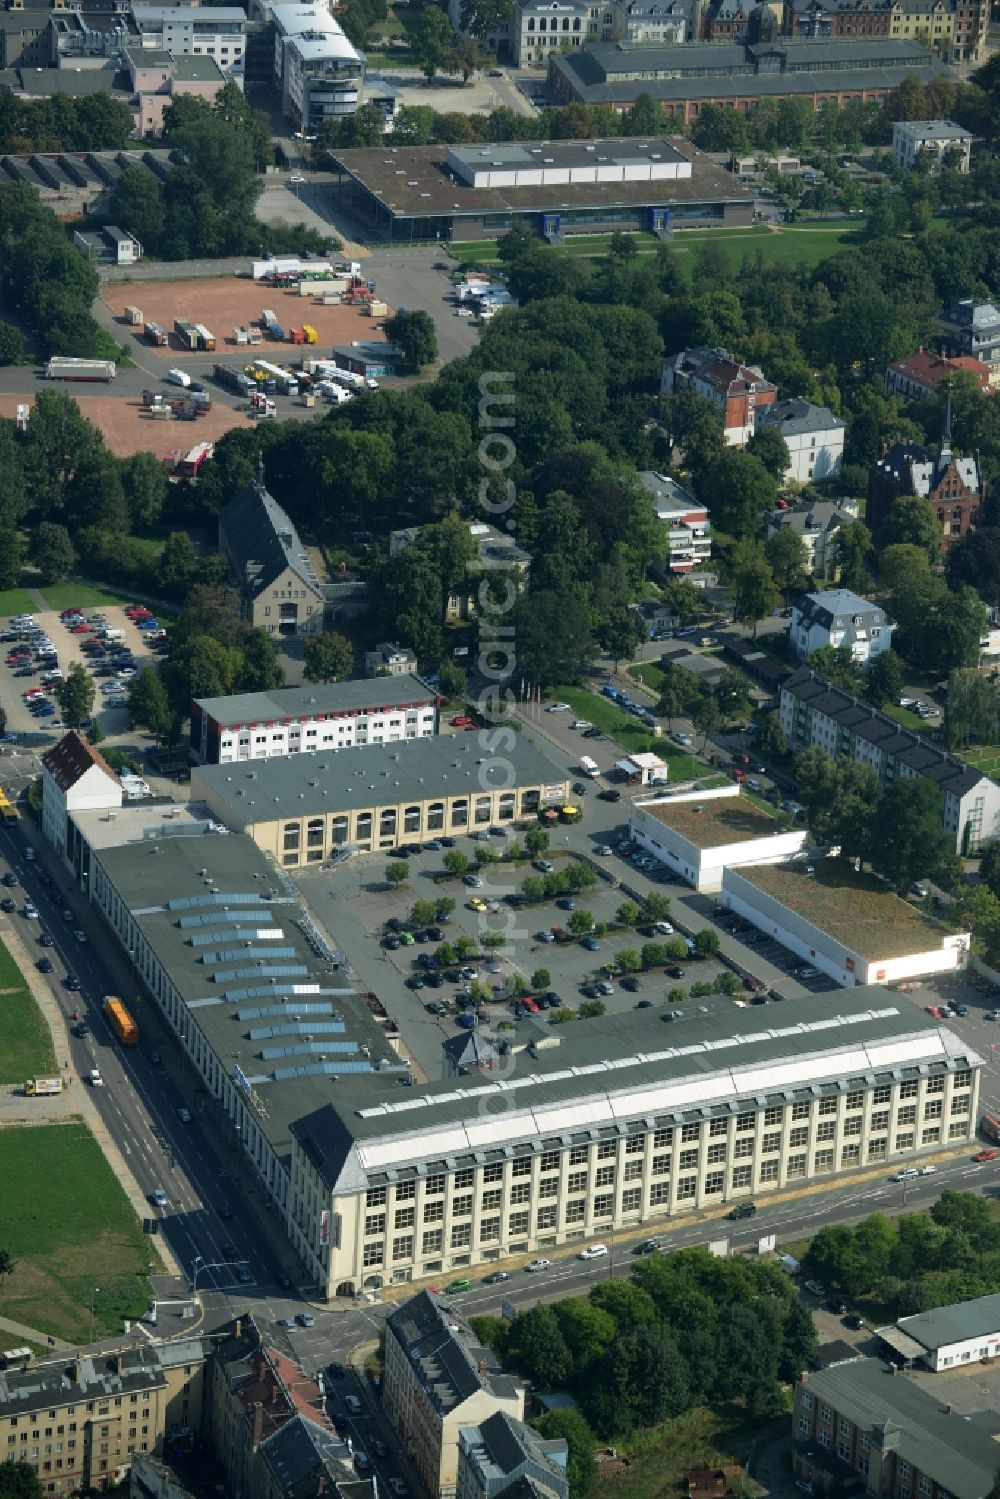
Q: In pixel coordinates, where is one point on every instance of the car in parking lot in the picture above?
(631, 983)
(592, 945)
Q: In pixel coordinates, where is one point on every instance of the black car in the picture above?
(45, 965)
(590, 991)
(579, 789)
(415, 981)
(610, 795)
(497, 1278)
(592, 734)
(392, 943)
(835, 1305)
(336, 1371)
(631, 983)
(44, 940)
(10, 880)
(742, 1210)
(854, 1321)
(674, 972)
(8, 905)
(71, 982)
(447, 842)
(432, 977)
(435, 934)
(224, 1210)
(230, 1254)
(44, 879)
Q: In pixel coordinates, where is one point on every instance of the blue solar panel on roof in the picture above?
(187, 922)
(308, 1048)
(299, 1028)
(265, 1010)
(229, 955)
(286, 971)
(319, 1069)
(220, 898)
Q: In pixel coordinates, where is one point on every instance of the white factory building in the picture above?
(699, 834)
(949, 1337)
(844, 924)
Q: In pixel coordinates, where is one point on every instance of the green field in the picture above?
(800, 244)
(25, 1044)
(699, 1438)
(71, 1231)
(629, 733)
(66, 595)
(16, 601)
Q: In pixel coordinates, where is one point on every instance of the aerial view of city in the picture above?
(500, 749)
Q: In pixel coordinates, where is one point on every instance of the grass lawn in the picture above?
(66, 595)
(16, 601)
(700, 1438)
(985, 757)
(627, 732)
(25, 1044)
(649, 674)
(69, 1228)
(908, 720)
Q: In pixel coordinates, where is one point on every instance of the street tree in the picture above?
(786, 553)
(481, 17)
(6, 1264)
(148, 703)
(772, 741)
(328, 657)
(752, 584)
(431, 39)
(885, 679)
(75, 695)
(621, 637)
(908, 840)
(397, 873)
(679, 690)
(706, 716)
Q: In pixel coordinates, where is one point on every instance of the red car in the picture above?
(531, 1005)
(80, 629)
(935, 1010)
(138, 611)
(986, 1155)
(66, 613)
(461, 721)
(738, 775)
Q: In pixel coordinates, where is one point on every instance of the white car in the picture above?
(179, 377)
(581, 723)
(603, 849)
(557, 708)
(684, 739)
(159, 1197)
(538, 1265)
(907, 1174)
(595, 1252)
(664, 929)
(96, 1080)
(80, 935)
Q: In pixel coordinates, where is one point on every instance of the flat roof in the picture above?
(327, 697)
(413, 182)
(208, 874)
(187, 68)
(148, 57)
(853, 908)
(567, 153)
(138, 822)
(953, 1324)
(939, 130)
(715, 820)
(371, 775)
(631, 1067)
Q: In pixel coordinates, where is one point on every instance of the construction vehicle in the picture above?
(38, 1087)
(8, 812)
(59, 368)
(120, 1020)
(157, 335)
(134, 317)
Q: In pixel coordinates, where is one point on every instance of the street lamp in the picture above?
(197, 1265)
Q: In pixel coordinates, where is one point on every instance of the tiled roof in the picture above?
(68, 762)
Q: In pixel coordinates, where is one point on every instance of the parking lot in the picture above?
(367, 921)
(111, 646)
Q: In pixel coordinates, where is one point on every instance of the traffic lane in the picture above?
(368, 1430)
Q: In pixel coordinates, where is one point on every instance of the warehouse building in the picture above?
(554, 189)
(619, 1124)
(845, 924)
(699, 834)
(815, 713)
(949, 1337)
(304, 808)
(301, 720)
(737, 75)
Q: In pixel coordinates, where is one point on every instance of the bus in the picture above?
(120, 1020)
(8, 812)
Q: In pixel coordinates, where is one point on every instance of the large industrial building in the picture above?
(555, 188)
(700, 834)
(302, 720)
(620, 1124)
(302, 809)
(844, 924)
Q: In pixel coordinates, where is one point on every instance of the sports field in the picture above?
(785, 244)
(71, 1232)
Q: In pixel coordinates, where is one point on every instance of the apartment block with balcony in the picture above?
(317, 72)
(685, 520)
(216, 31)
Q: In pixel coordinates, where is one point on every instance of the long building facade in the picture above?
(619, 1128)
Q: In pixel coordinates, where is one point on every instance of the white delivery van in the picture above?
(589, 766)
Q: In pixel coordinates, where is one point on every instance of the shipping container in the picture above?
(309, 334)
(233, 379)
(254, 336)
(134, 316)
(60, 368)
(267, 318)
(157, 335)
(378, 309)
(186, 333)
(120, 1020)
(206, 337)
(296, 336)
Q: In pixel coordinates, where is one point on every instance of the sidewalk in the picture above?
(76, 1089)
(43, 1339)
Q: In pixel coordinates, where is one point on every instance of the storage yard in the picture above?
(222, 305)
(129, 427)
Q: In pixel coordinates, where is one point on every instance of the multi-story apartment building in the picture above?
(685, 520)
(75, 777)
(437, 1379)
(813, 435)
(654, 23)
(301, 720)
(940, 141)
(216, 31)
(863, 1424)
(78, 1419)
(816, 713)
(612, 1128)
(838, 617)
(972, 327)
(954, 29)
(503, 1456)
(922, 374)
(817, 524)
(836, 18)
(539, 27)
(737, 390)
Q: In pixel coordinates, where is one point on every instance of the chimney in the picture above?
(258, 1426)
(484, 1367)
(119, 1363)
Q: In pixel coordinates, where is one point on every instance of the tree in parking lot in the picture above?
(629, 961)
(52, 552)
(706, 942)
(536, 841)
(591, 1009)
(579, 877)
(653, 955)
(656, 907)
(541, 979)
(397, 873)
(533, 887)
(456, 863)
(580, 923)
(423, 913)
(627, 913)
(75, 695)
(443, 907)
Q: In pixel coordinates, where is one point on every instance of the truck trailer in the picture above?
(134, 317)
(157, 335)
(186, 333)
(206, 338)
(60, 368)
(189, 467)
(233, 379)
(120, 1020)
(37, 1087)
